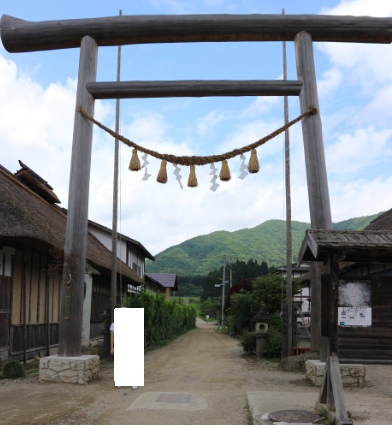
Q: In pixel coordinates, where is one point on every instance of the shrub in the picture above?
(244, 307)
(239, 287)
(248, 342)
(273, 345)
(13, 369)
(209, 307)
(163, 320)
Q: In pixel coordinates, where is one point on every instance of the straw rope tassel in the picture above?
(162, 175)
(225, 171)
(253, 166)
(134, 164)
(192, 180)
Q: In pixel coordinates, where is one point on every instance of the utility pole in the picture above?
(231, 274)
(115, 196)
(223, 288)
(289, 286)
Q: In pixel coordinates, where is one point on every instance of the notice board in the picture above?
(354, 304)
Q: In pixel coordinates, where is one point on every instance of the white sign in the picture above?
(355, 316)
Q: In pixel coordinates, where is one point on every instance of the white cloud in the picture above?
(209, 121)
(260, 105)
(355, 152)
(330, 81)
(365, 64)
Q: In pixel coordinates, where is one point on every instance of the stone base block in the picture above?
(353, 375)
(74, 370)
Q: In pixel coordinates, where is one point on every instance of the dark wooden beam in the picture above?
(25, 36)
(192, 88)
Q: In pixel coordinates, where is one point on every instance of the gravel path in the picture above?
(201, 362)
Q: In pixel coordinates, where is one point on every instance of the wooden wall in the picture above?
(99, 300)
(370, 345)
(42, 304)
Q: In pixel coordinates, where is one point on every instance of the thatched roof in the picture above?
(382, 222)
(26, 219)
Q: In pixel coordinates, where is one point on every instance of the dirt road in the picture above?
(201, 363)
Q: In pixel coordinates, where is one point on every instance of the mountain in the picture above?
(267, 241)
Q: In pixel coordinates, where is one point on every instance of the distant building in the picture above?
(303, 298)
(163, 282)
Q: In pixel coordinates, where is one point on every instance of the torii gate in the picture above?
(22, 36)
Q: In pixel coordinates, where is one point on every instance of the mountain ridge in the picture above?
(264, 242)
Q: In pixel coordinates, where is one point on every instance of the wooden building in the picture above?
(364, 258)
(32, 235)
(130, 251)
(163, 282)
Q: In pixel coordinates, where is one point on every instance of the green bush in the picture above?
(244, 307)
(163, 320)
(209, 307)
(273, 345)
(269, 289)
(13, 369)
(248, 342)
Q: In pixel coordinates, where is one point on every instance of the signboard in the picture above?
(354, 304)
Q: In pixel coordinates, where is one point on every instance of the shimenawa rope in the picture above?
(198, 160)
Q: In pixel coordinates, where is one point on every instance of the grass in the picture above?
(323, 413)
(248, 415)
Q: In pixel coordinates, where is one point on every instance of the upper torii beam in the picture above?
(24, 36)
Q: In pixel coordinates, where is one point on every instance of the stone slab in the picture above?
(353, 375)
(73, 370)
(148, 400)
(263, 402)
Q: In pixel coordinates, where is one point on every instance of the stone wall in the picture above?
(73, 370)
(353, 375)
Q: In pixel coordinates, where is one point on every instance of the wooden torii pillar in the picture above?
(23, 36)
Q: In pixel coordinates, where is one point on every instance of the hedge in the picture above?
(163, 320)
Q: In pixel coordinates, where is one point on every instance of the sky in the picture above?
(37, 104)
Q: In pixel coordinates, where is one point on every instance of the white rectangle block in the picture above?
(129, 347)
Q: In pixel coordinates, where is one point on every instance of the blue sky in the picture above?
(37, 101)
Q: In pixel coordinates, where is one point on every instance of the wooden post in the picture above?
(316, 172)
(70, 332)
(47, 316)
(223, 289)
(289, 285)
(24, 311)
(115, 195)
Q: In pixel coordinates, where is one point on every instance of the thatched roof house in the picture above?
(32, 237)
(28, 220)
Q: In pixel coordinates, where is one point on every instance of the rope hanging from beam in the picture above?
(253, 166)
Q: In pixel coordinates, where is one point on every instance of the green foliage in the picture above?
(13, 369)
(248, 342)
(240, 272)
(163, 320)
(269, 289)
(244, 307)
(209, 307)
(267, 241)
(273, 345)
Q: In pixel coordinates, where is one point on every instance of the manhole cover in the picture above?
(175, 398)
(293, 416)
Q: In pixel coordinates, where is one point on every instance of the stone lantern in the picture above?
(261, 329)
